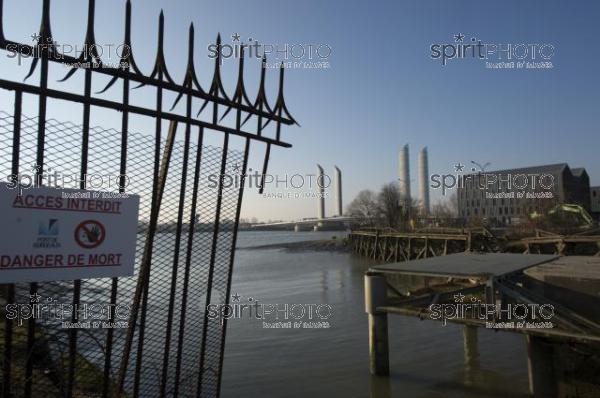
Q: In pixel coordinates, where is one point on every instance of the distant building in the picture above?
(510, 196)
(595, 201)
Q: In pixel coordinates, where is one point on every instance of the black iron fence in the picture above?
(186, 231)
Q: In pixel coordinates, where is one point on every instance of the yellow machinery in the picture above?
(566, 213)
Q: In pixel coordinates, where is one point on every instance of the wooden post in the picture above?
(471, 352)
(490, 291)
(490, 295)
(470, 346)
(540, 364)
(561, 247)
(376, 296)
(469, 237)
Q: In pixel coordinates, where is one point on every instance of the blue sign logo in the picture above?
(49, 228)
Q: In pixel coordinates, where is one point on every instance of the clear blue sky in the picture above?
(382, 89)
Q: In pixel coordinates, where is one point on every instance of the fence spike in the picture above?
(45, 29)
(257, 102)
(217, 76)
(90, 53)
(128, 23)
(161, 55)
(281, 71)
(281, 106)
(241, 83)
(45, 38)
(262, 92)
(248, 116)
(191, 67)
(90, 36)
(216, 86)
(217, 71)
(202, 107)
(260, 100)
(191, 45)
(34, 62)
(159, 62)
(161, 30)
(240, 90)
(129, 58)
(190, 78)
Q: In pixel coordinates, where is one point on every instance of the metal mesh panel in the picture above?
(52, 349)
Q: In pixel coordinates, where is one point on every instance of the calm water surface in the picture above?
(426, 358)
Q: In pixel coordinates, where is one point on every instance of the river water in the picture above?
(426, 358)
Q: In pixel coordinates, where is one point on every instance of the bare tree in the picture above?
(442, 210)
(364, 208)
(389, 205)
(453, 204)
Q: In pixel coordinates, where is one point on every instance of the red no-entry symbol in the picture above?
(89, 234)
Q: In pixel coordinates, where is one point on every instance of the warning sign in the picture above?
(52, 234)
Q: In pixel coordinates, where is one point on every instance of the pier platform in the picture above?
(553, 301)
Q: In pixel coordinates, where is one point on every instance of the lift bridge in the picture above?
(319, 223)
(308, 224)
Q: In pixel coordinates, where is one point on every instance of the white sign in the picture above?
(50, 234)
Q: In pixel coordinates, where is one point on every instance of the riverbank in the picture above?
(334, 244)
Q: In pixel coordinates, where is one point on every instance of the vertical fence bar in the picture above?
(188, 262)
(85, 141)
(41, 137)
(189, 82)
(261, 188)
(144, 275)
(106, 384)
(186, 150)
(115, 281)
(238, 119)
(159, 95)
(280, 101)
(259, 127)
(10, 288)
(232, 258)
(211, 267)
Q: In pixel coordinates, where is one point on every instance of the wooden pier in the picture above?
(386, 246)
(393, 246)
(548, 242)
